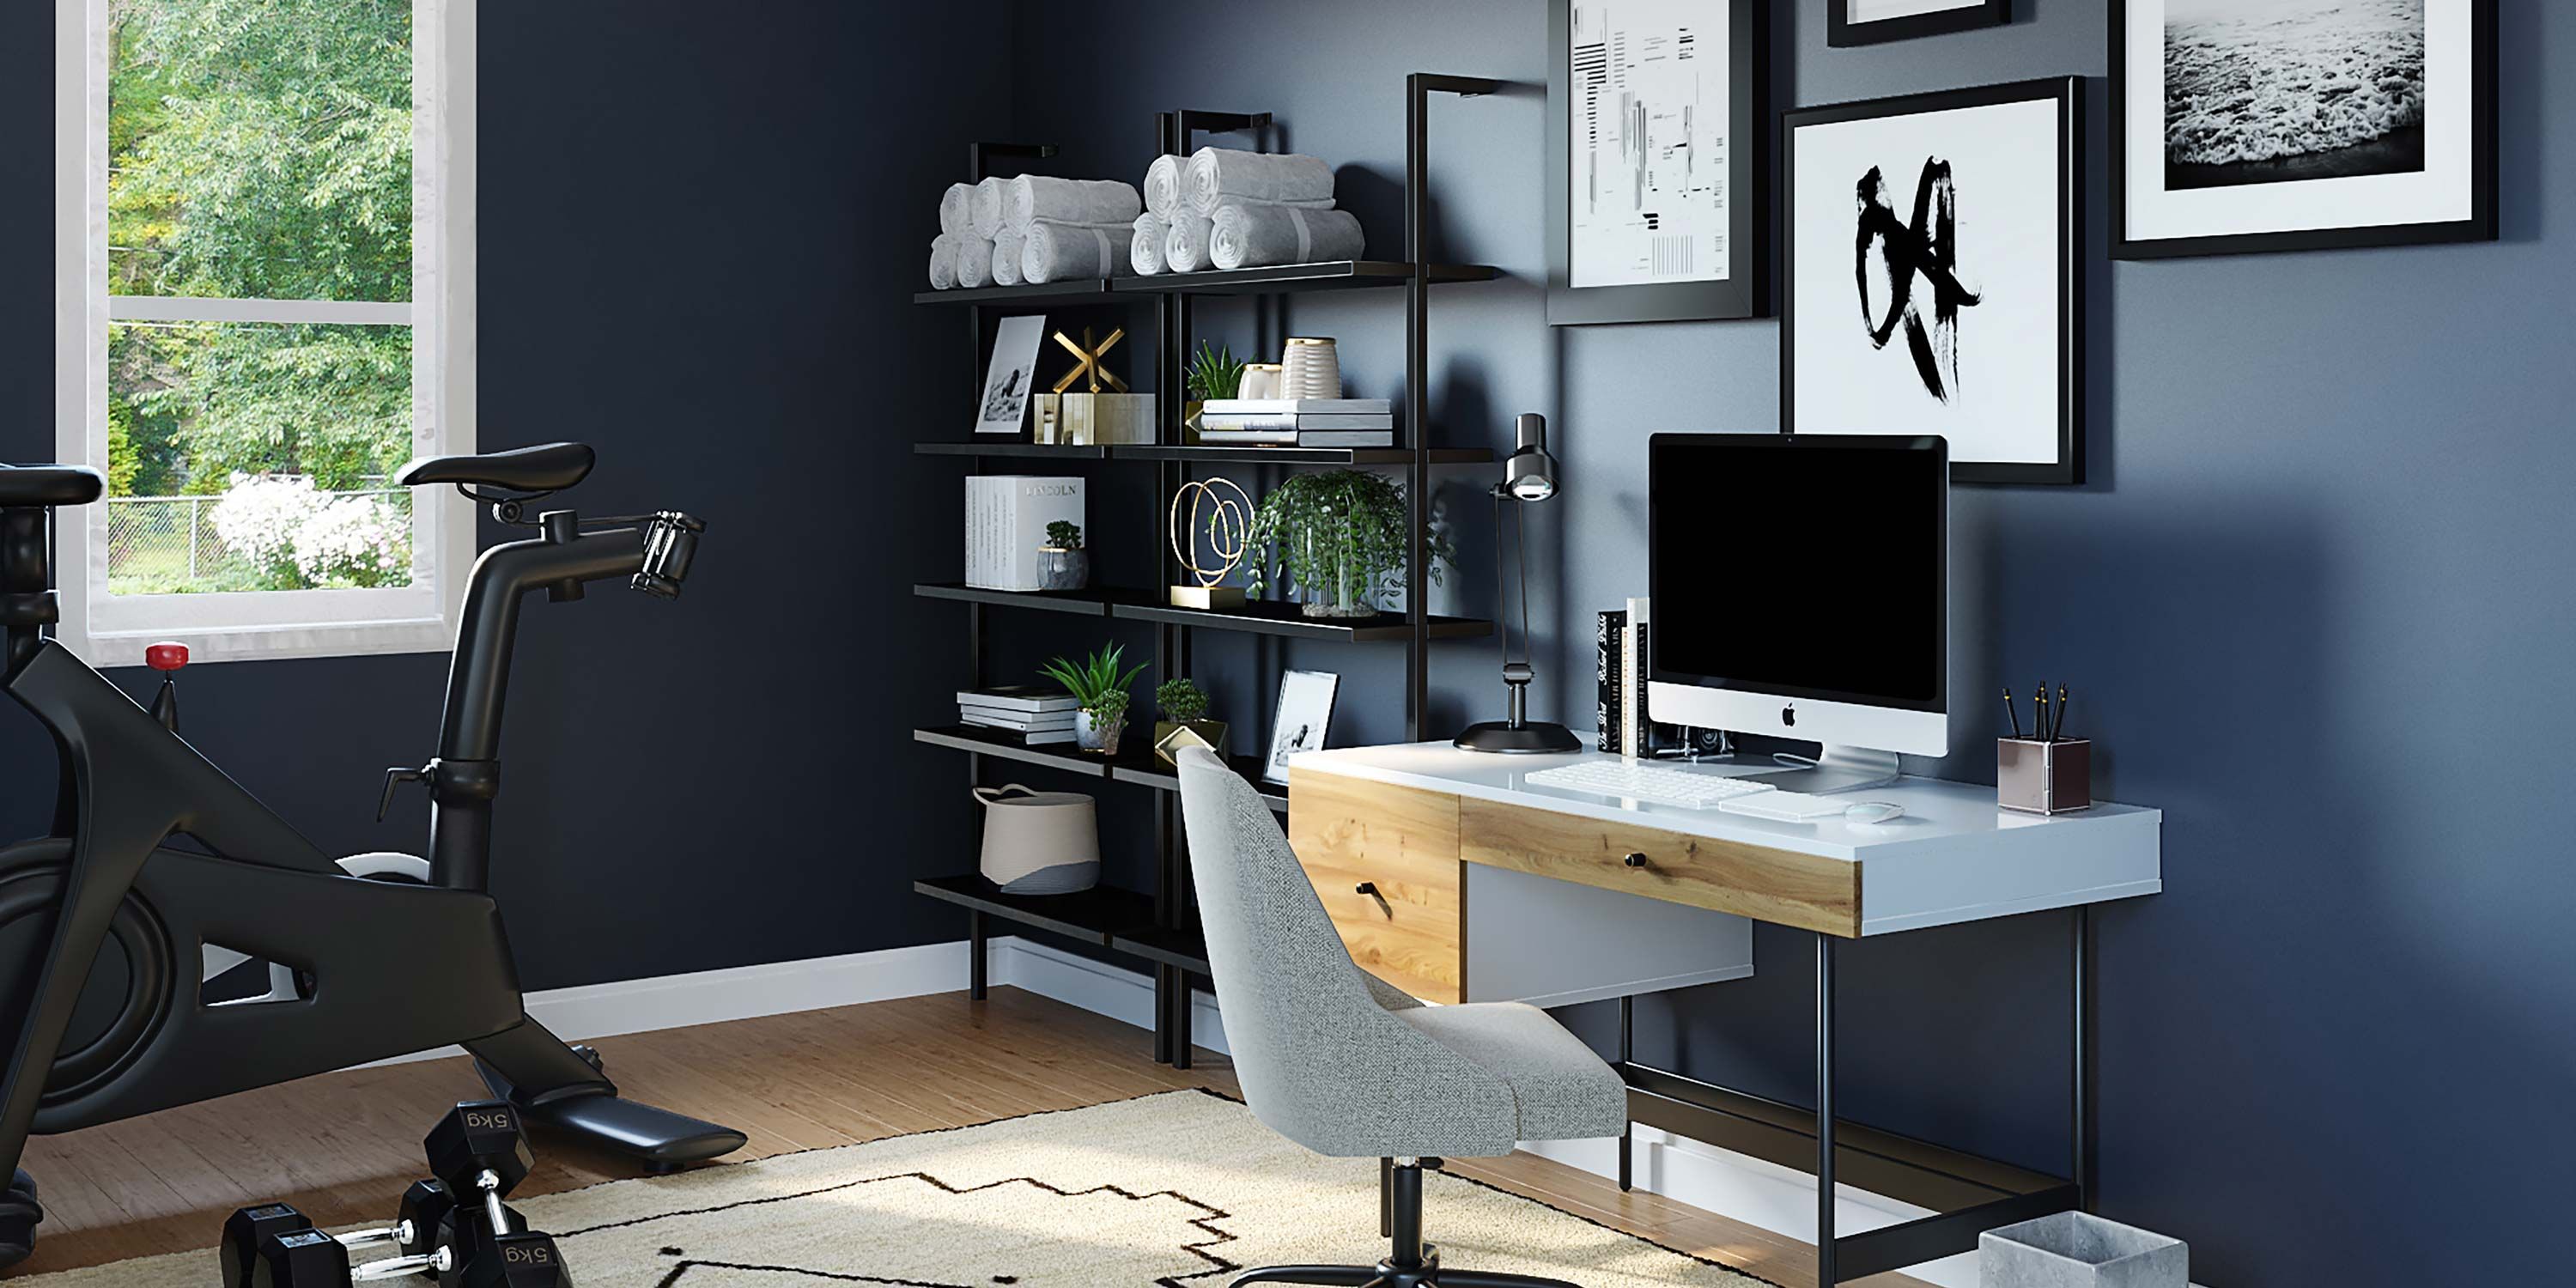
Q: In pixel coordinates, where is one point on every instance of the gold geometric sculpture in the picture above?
(1087, 361)
(1229, 520)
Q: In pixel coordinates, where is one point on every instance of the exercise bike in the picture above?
(173, 940)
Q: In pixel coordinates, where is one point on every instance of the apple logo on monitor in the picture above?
(1789, 716)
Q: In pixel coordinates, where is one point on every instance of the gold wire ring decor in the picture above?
(1228, 521)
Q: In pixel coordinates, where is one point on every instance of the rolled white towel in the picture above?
(1006, 256)
(953, 213)
(974, 262)
(1255, 236)
(1163, 185)
(1185, 243)
(1033, 197)
(1221, 176)
(1065, 252)
(1145, 244)
(984, 209)
(943, 262)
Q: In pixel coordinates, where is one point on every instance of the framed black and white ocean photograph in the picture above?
(2272, 125)
(1871, 22)
(1655, 138)
(1933, 277)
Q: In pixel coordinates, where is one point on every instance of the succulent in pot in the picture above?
(1062, 562)
(1100, 686)
(1214, 373)
(1184, 722)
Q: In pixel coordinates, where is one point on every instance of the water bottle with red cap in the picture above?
(167, 657)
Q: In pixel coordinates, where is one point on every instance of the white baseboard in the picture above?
(1098, 987)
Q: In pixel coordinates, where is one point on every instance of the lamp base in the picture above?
(1502, 737)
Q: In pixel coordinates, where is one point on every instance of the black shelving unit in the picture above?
(1160, 926)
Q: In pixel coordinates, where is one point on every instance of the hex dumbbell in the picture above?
(415, 1229)
(312, 1259)
(480, 1150)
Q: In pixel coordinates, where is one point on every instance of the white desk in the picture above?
(1451, 877)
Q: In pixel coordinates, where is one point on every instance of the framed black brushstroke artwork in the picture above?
(2241, 126)
(1871, 22)
(1655, 159)
(1934, 283)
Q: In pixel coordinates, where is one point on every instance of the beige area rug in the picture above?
(1183, 1188)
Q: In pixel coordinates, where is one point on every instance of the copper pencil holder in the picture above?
(2037, 777)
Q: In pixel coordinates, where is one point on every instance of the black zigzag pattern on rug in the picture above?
(1206, 1224)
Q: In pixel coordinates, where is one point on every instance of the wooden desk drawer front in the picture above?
(1403, 844)
(1779, 886)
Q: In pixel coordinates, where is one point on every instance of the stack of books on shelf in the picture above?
(1039, 716)
(1297, 422)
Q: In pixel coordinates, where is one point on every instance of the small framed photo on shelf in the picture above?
(1009, 378)
(1935, 275)
(1657, 127)
(2243, 126)
(1870, 22)
(1305, 716)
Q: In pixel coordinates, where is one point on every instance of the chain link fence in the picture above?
(168, 545)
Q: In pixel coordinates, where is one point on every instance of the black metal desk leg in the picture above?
(1180, 1018)
(974, 955)
(1163, 1014)
(1627, 1130)
(1826, 1277)
(2081, 1129)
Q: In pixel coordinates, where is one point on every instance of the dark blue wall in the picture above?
(699, 235)
(2317, 595)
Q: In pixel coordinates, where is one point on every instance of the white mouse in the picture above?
(1873, 812)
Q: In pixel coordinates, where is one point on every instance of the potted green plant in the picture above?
(1101, 688)
(1184, 722)
(1338, 539)
(1062, 562)
(1214, 373)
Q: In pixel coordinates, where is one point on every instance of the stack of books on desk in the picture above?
(1297, 422)
(1039, 716)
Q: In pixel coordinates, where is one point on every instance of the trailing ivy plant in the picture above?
(1337, 536)
(1214, 373)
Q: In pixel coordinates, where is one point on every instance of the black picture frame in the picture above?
(1843, 33)
(2482, 225)
(1744, 294)
(2068, 92)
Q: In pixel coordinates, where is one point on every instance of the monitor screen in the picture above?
(1803, 566)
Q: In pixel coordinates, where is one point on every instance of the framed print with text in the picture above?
(2242, 126)
(1934, 277)
(1656, 116)
(1870, 22)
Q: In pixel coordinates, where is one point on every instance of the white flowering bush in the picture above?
(295, 536)
(258, 518)
(358, 540)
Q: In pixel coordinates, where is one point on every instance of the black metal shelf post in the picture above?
(1160, 926)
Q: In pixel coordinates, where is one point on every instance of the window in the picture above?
(265, 275)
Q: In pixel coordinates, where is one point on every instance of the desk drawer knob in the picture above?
(1635, 860)
(1367, 887)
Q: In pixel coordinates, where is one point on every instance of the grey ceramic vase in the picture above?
(1061, 569)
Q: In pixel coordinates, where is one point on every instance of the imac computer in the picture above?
(1801, 589)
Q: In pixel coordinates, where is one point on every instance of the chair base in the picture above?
(1413, 1264)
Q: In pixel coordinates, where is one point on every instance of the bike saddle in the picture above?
(29, 485)
(551, 467)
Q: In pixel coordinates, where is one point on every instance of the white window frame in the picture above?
(110, 630)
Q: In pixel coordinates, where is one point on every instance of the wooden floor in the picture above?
(342, 1146)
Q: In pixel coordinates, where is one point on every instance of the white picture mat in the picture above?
(2005, 158)
(1015, 349)
(2443, 192)
(1881, 10)
(1609, 245)
(1304, 719)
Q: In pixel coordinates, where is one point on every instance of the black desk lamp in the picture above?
(1529, 476)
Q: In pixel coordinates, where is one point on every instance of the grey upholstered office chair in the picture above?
(1345, 1065)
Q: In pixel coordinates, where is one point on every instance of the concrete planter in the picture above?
(2079, 1250)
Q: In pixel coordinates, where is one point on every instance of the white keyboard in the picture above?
(1788, 807)
(1648, 783)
